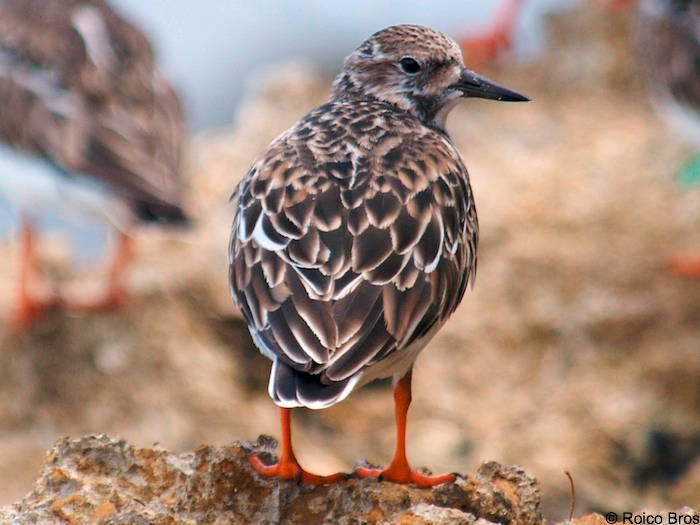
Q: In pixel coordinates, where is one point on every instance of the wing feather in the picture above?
(363, 255)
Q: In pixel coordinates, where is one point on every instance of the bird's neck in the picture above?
(429, 111)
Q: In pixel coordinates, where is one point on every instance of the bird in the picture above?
(355, 235)
(668, 45)
(90, 130)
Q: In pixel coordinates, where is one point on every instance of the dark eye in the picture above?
(409, 65)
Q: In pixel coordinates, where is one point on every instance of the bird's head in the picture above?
(417, 69)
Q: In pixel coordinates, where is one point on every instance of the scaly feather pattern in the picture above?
(355, 233)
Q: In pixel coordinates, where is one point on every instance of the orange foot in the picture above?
(29, 310)
(687, 266)
(404, 475)
(291, 469)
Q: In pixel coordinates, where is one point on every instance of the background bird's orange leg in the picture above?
(399, 470)
(484, 47)
(616, 5)
(27, 308)
(287, 466)
(115, 295)
(686, 266)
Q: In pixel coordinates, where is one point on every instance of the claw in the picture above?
(405, 475)
(291, 470)
(287, 467)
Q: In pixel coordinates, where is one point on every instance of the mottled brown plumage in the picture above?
(79, 87)
(369, 237)
(89, 130)
(356, 232)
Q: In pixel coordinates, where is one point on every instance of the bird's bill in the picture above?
(473, 85)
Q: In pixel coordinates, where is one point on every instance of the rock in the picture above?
(99, 479)
(105, 480)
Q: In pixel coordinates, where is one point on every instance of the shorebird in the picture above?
(669, 49)
(88, 128)
(355, 234)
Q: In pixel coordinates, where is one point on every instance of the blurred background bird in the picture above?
(91, 132)
(485, 46)
(668, 39)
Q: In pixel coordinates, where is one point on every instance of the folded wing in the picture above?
(339, 261)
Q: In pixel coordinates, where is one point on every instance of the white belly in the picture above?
(39, 189)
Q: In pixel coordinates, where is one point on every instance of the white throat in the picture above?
(441, 116)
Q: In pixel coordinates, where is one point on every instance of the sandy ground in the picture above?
(575, 351)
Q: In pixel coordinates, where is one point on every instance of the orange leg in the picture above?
(399, 470)
(287, 466)
(616, 5)
(687, 266)
(115, 295)
(484, 47)
(27, 308)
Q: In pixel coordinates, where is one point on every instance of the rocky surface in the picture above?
(103, 480)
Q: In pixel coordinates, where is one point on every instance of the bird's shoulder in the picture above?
(356, 144)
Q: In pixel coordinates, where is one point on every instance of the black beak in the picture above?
(473, 85)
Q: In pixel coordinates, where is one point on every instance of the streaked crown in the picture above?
(410, 66)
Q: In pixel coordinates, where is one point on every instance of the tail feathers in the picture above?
(290, 388)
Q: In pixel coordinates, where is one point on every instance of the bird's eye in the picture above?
(409, 65)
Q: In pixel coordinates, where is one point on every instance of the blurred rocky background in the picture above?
(575, 351)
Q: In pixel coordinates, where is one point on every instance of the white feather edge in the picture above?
(308, 403)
